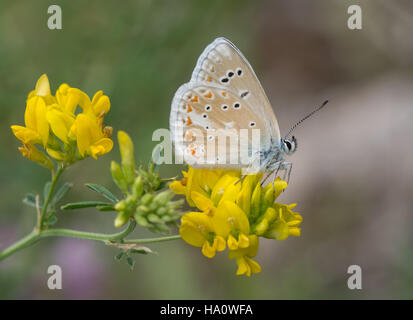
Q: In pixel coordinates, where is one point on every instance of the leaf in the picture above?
(46, 190)
(131, 262)
(62, 191)
(103, 191)
(140, 251)
(83, 204)
(120, 255)
(51, 220)
(130, 247)
(106, 208)
(30, 200)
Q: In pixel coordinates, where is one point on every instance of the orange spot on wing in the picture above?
(194, 99)
(188, 108)
(189, 135)
(224, 93)
(188, 121)
(208, 95)
(208, 79)
(193, 152)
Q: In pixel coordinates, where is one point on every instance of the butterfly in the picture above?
(225, 97)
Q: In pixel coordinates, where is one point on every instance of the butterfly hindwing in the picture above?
(200, 113)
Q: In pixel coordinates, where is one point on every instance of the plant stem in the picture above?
(34, 236)
(152, 240)
(89, 235)
(22, 243)
(55, 177)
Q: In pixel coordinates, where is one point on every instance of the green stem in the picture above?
(22, 243)
(89, 235)
(55, 177)
(34, 236)
(152, 240)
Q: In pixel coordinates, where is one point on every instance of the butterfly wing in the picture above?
(223, 64)
(223, 93)
(202, 114)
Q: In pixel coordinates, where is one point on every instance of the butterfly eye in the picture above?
(224, 107)
(208, 108)
(288, 144)
(237, 105)
(252, 124)
(239, 72)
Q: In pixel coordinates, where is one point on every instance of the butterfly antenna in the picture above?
(305, 118)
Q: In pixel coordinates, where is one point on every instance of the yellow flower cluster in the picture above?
(234, 214)
(54, 123)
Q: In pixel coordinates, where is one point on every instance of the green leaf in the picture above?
(141, 251)
(46, 190)
(62, 191)
(103, 191)
(106, 208)
(30, 200)
(131, 262)
(120, 255)
(51, 220)
(83, 204)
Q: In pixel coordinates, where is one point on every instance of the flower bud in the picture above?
(270, 214)
(261, 227)
(120, 206)
(121, 218)
(118, 177)
(163, 197)
(255, 202)
(142, 221)
(154, 218)
(137, 187)
(127, 155)
(161, 211)
(142, 209)
(147, 199)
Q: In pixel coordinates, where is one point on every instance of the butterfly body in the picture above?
(225, 97)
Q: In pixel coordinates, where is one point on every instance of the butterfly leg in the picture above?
(266, 177)
(287, 167)
(240, 179)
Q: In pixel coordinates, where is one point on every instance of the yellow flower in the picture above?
(243, 257)
(197, 229)
(30, 152)
(37, 127)
(237, 212)
(232, 223)
(90, 137)
(286, 223)
(42, 89)
(54, 123)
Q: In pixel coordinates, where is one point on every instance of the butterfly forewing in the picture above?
(223, 64)
(223, 94)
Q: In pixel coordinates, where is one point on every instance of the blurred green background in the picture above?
(352, 174)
